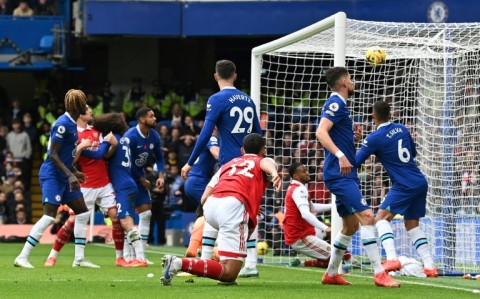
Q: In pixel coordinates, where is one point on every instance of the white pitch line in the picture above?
(311, 270)
(396, 278)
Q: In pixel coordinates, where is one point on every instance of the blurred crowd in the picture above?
(26, 8)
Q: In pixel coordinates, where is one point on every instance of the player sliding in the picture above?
(300, 225)
(237, 191)
(337, 137)
(393, 145)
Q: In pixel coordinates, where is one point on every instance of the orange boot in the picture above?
(196, 238)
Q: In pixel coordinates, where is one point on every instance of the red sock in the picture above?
(317, 263)
(63, 235)
(205, 268)
(118, 235)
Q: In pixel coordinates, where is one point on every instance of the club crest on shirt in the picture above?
(151, 145)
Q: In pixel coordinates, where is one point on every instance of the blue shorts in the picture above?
(57, 192)
(349, 200)
(409, 203)
(126, 202)
(194, 188)
(143, 196)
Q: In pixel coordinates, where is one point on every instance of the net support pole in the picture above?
(448, 143)
(340, 33)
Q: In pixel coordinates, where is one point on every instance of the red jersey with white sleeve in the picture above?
(294, 226)
(243, 179)
(95, 170)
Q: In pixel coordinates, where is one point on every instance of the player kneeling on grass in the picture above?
(300, 224)
(237, 191)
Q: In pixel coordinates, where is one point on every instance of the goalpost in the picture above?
(431, 79)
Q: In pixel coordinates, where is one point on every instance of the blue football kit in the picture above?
(393, 145)
(346, 189)
(53, 181)
(235, 115)
(141, 149)
(201, 172)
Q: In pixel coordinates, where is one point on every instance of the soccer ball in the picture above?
(262, 247)
(375, 56)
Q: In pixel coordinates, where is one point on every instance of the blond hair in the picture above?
(75, 101)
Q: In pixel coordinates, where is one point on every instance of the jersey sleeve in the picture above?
(214, 109)
(300, 196)
(59, 133)
(99, 153)
(205, 134)
(216, 177)
(368, 148)
(257, 128)
(212, 142)
(332, 111)
(413, 145)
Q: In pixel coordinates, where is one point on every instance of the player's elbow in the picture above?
(320, 134)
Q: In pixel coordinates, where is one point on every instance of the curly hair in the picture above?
(110, 122)
(75, 101)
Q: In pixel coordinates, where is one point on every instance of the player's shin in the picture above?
(144, 226)
(419, 240)
(369, 241)
(196, 237)
(118, 238)
(387, 238)
(63, 236)
(134, 239)
(204, 268)
(80, 231)
(36, 234)
(208, 240)
(338, 250)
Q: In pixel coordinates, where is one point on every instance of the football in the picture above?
(375, 56)
(262, 247)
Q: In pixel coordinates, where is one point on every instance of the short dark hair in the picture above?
(334, 74)
(142, 112)
(225, 69)
(293, 168)
(381, 109)
(253, 143)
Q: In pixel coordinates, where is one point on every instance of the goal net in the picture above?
(430, 78)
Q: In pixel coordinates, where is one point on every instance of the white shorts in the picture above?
(229, 216)
(104, 197)
(313, 247)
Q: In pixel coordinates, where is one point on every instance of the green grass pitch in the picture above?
(275, 281)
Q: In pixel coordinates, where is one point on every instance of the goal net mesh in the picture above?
(431, 79)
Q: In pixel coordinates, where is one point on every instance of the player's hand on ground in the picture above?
(277, 182)
(145, 183)
(110, 138)
(345, 166)
(185, 170)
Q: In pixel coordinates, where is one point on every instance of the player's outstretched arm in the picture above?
(202, 141)
(324, 137)
(269, 166)
(367, 149)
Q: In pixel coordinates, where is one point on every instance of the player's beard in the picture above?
(151, 126)
(351, 92)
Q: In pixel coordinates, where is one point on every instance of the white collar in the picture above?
(80, 129)
(337, 94)
(384, 125)
(69, 116)
(298, 183)
(140, 132)
(229, 87)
